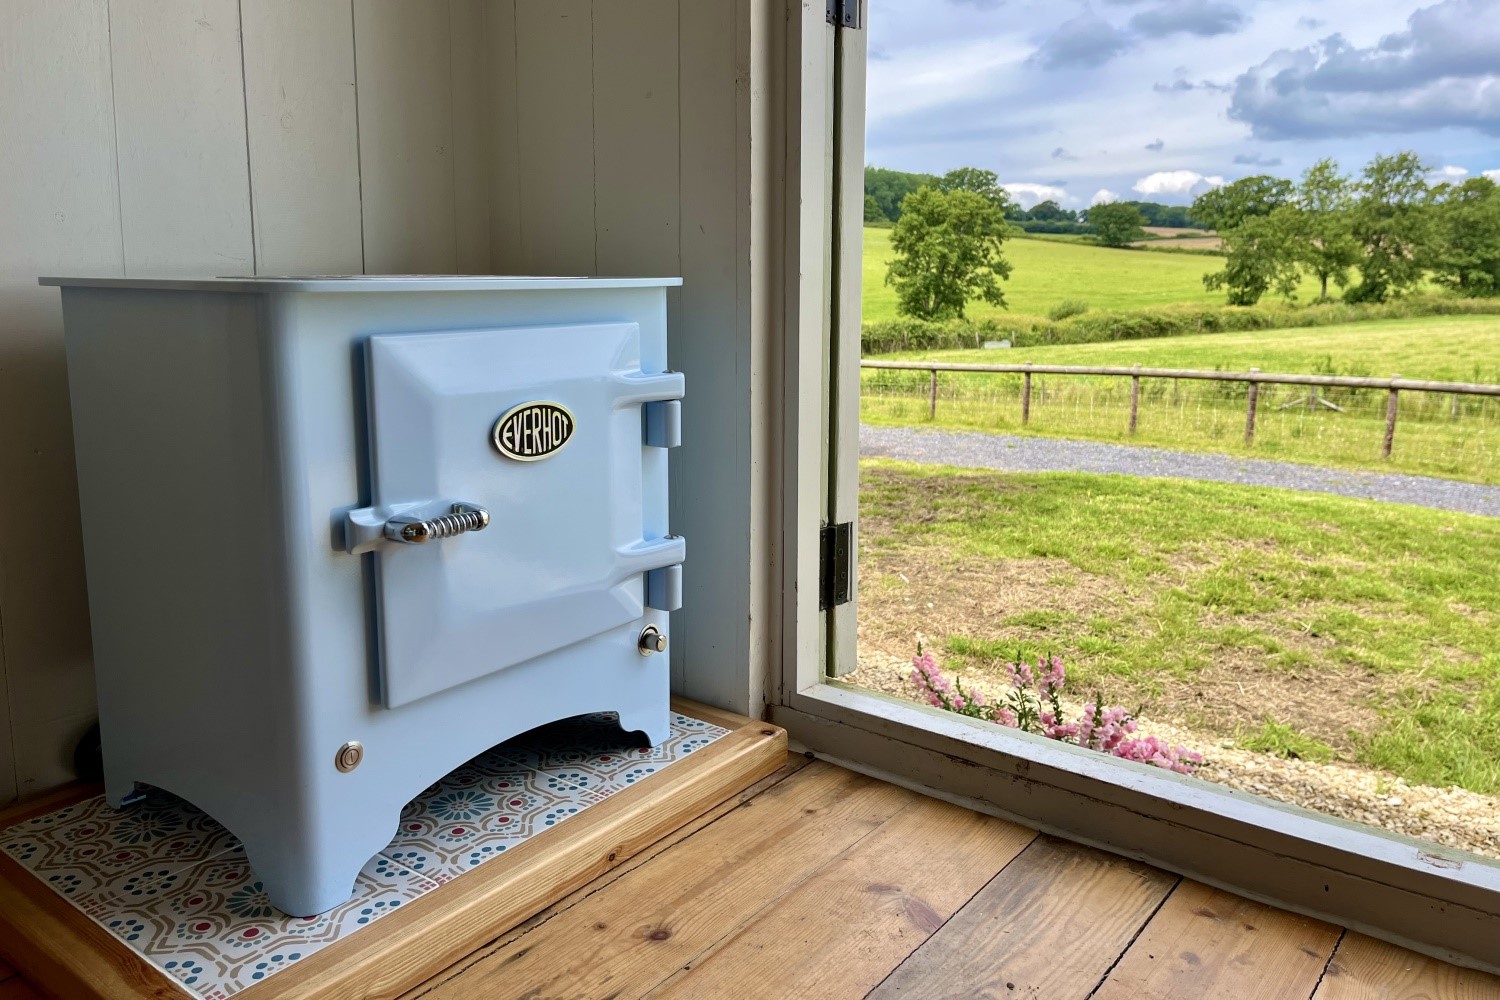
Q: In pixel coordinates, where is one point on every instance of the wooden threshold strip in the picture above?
(65, 953)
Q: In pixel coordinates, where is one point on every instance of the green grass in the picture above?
(1431, 437)
(1379, 612)
(1445, 348)
(1046, 271)
(1280, 739)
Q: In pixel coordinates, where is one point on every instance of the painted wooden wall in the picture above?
(161, 137)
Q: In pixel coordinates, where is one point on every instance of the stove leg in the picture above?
(307, 877)
(119, 786)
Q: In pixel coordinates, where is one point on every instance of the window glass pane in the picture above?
(1255, 556)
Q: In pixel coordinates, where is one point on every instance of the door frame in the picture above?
(1439, 902)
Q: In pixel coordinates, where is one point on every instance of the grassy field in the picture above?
(1446, 348)
(1433, 437)
(1046, 272)
(1339, 628)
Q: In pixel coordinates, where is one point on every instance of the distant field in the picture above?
(1447, 348)
(1167, 232)
(1048, 271)
(1436, 435)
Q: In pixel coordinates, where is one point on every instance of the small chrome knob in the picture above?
(653, 640)
(349, 756)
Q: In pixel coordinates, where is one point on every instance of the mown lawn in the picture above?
(1436, 435)
(1048, 271)
(1352, 629)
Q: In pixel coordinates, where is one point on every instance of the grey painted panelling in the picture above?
(510, 136)
(710, 341)
(505, 161)
(58, 212)
(636, 147)
(406, 136)
(471, 147)
(304, 140)
(555, 135)
(180, 122)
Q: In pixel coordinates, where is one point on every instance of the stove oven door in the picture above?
(508, 508)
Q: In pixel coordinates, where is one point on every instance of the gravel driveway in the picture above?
(1028, 454)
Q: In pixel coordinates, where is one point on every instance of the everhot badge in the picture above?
(533, 431)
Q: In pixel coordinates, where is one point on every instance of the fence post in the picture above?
(932, 398)
(1026, 398)
(1390, 418)
(1250, 413)
(1135, 399)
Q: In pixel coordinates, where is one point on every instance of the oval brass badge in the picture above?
(533, 431)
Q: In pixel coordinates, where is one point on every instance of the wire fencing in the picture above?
(1445, 428)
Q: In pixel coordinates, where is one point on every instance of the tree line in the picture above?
(1375, 237)
(886, 189)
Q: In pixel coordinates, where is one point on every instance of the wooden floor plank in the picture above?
(1207, 943)
(843, 930)
(795, 763)
(631, 934)
(18, 989)
(1051, 924)
(1366, 969)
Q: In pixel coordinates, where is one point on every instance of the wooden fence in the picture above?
(1255, 378)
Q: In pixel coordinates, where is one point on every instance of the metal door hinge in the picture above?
(844, 13)
(835, 565)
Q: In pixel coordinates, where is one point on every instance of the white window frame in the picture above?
(1443, 903)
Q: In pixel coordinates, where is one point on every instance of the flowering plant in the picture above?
(1034, 705)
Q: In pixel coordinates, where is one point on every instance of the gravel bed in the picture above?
(1028, 454)
(1452, 817)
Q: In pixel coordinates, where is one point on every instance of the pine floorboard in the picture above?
(818, 882)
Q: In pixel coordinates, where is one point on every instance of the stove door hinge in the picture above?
(844, 13)
(835, 565)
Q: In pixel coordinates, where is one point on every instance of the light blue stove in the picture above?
(344, 534)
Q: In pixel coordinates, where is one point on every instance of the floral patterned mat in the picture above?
(174, 885)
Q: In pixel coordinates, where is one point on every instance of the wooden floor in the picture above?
(822, 883)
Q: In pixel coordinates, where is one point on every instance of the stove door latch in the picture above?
(411, 524)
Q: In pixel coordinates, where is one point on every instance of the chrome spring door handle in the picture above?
(411, 529)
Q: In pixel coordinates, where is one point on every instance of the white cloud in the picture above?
(1449, 173)
(1493, 175)
(1103, 196)
(1177, 182)
(1030, 194)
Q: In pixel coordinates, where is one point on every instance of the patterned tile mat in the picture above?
(175, 887)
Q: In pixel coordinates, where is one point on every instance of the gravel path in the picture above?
(1028, 454)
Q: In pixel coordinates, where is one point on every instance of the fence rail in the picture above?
(1254, 378)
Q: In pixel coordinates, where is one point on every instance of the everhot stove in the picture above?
(343, 534)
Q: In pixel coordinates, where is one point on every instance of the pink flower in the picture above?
(1032, 706)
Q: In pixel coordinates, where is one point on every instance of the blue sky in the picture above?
(1080, 100)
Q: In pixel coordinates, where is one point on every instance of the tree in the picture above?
(872, 210)
(1051, 211)
(1387, 220)
(1225, 208)
(1261, 257)
(1463, 249)
(981, 182)
(1324, 242)
(1116, 224)
(889, 187)
(947, 251)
